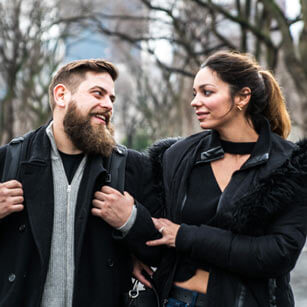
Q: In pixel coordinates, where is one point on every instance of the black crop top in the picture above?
(203, 194)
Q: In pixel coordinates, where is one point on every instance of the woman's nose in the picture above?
(195, 102)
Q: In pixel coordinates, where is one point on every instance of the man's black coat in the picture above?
(102, 266)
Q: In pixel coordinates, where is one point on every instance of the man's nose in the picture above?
(106, 103)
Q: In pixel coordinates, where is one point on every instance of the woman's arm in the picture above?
(270, 255)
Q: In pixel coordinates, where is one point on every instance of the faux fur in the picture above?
(155, 153)
(270, 198)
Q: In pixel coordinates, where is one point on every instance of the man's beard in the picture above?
(89, 138)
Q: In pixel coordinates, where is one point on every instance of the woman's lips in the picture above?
(202, 115)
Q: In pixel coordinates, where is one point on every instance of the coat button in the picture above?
(12, 277)
(110, 263)
(22, 228)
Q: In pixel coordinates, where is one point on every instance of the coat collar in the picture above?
(212, 149)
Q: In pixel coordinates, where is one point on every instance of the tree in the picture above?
(32, 37)
(196, 28)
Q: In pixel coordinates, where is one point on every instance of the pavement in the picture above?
(299, 280)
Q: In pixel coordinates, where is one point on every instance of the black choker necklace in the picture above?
(238, 148)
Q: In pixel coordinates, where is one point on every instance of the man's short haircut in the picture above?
(73, 73)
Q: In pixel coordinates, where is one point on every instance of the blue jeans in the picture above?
(172, 302)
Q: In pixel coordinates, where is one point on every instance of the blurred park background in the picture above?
(158, 46)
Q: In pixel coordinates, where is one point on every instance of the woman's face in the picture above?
(212, 101)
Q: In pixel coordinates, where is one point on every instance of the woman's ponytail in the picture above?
(276, 111)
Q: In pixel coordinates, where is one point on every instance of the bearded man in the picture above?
(55, 248)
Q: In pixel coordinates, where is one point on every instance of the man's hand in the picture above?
(112, 206)
(11, 198)
(138, 268)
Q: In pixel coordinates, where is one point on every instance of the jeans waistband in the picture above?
(192, 298)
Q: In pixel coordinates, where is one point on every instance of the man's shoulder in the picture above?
(137, 158)
(3, 149)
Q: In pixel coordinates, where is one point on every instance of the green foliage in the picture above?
(139, 141)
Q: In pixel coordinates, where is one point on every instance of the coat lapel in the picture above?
(38, 195)
(93, 178)
(36, 178)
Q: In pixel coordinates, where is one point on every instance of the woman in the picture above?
(235, 209)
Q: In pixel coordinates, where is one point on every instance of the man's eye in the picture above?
(98, 93)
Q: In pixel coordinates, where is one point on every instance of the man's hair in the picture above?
(73, 73)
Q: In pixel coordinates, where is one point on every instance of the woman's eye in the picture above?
(207, 93)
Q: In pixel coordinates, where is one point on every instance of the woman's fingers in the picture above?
(157, 242)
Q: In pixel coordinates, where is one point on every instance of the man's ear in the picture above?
(243, 97)
(61, 95)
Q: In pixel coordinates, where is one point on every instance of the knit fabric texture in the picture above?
(58, 289)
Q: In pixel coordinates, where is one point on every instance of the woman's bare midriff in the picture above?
(198, 282)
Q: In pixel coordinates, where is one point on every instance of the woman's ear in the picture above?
(61, 95)
(243, 97)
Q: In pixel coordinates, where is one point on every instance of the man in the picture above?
(55, 250)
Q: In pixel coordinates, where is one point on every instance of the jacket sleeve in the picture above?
(140, 184)
(142, 231)
(268, 256)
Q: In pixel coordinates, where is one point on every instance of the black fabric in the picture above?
(16, 149)
(143, 298)
(254, 239)
(238, 148)
(70, 163)
(137, 297)
(203, 194)
(103, 265)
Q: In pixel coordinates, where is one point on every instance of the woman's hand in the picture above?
(138, 272)
(168, 230)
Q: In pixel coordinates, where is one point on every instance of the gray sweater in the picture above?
(58, 289)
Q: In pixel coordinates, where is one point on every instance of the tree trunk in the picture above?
(300, 80)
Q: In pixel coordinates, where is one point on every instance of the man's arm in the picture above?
(137, 207)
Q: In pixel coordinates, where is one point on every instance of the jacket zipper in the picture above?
(241, 297)
(67, 234)
(272, 292)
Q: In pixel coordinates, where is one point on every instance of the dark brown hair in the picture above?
(242, 70)
(73, 73)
